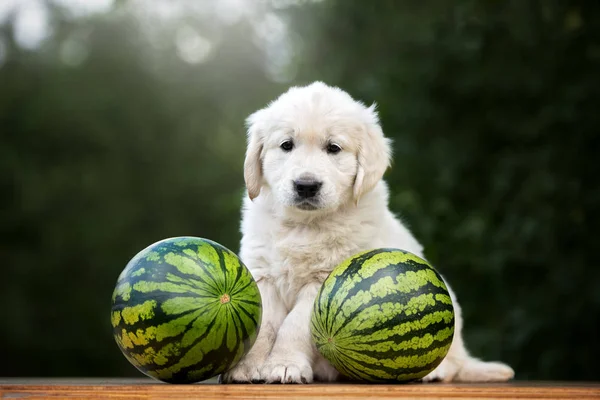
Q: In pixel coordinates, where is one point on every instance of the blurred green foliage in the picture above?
(493, 108)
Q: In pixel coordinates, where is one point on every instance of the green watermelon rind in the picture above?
(383, 315)
(185, 309)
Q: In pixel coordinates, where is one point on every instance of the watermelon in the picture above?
(185, 309)
(383, 315)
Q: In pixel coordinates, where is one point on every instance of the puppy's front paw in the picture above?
(246, 371)
(286, 371)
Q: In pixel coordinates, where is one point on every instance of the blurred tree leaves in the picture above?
(109, 141)
(100, 160)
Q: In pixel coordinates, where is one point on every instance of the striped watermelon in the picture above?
(383, 315)
(185, 309)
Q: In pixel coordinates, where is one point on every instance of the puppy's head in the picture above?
(315, 149)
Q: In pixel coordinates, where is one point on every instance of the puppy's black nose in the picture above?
(307, 188)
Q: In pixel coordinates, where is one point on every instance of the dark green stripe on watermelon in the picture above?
(185, 309)
(383, 315)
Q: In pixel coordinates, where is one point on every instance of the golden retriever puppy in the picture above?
(313, 171)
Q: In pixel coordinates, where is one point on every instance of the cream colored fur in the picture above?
(290, 251)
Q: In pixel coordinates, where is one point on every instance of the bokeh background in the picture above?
(122, 123)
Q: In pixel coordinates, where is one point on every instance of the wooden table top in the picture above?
(145, 388)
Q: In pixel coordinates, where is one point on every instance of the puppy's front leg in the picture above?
(293, 353)
(248, 369)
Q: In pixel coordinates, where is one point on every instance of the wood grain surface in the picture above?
(142, 388)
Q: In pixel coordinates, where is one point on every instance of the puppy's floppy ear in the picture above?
(374, 156)
(253, 162)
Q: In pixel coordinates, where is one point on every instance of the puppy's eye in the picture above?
(333, 148)
(287, 145)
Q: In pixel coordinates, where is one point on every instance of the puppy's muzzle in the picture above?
(307, 188)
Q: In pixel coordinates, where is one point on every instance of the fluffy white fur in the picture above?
(291, 250)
